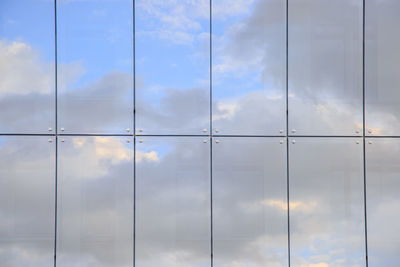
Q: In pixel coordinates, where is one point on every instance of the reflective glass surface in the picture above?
(383, 201)
(95, 201)
(250, 202)
(326, 202)
(325, 67)
(172, 64)
(382, 95)
(27, 192)
(95, 66)
(27, 87)
(203, 98)
(249, 67)
(173, 202)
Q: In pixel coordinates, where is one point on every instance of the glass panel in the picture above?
(95, 201)
(326, 202)
(95, 66)
(325, 67)
(250, 202)
(383, 202)
(27, 66)
(249, 67)
(173, 202)
(382, 59)
(172, 66)
(27, 198)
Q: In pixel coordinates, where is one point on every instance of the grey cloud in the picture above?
(179, 111)
(326, 194)
(27, 201)
(104, 106)
(249, 186)
(382, 77)
(383, 201)
(251, 49)
(173, 203)
(95, 208)
(324, 82)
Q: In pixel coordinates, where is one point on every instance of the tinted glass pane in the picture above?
(172, 66)
(326, 202)
(249, 67)
(27, 66)
(325, 67)
(172, 202)
(95, 202)
(381, 67)
(383, 202)
(27, 190)
(250, 202)
(95, 66)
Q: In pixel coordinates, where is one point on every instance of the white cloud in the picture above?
(146, 156)
(226, 110)
(238, 7)
(98, 153)
(22, 71)
(178, 22)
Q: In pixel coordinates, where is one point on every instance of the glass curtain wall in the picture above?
(199, 133)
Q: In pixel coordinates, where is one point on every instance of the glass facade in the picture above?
(199, 133)
(249, 202)
(326, 201)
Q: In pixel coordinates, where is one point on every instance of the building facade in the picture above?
(199, 133)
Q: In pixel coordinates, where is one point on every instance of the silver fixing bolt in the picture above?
(357, 142)
(370, 131)
(205, 141)
(127, 130)
(140, 141)
(216, 130)
(217, 141)
(128, 141)
(50, 129)
(369, 142)
(50, 140)
(62, 129)
(280, 131)
(204, 130)
(62, 140)
(140, 130)
(357, 131)
(293, 130)
(293, 141)
(281, 142)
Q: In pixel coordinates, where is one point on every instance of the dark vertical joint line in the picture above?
(134, 201)
(211, 205)
(56, 138)
(364, 152)
(288, 197)
(211, 151)
(134, 130)
(287, 68)
(287, 131)
(55, 199)
(211, 98)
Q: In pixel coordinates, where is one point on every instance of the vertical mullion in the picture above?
(211, 150)
(56, 134)
(287, 131)
(134, 131)
(364, 153)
